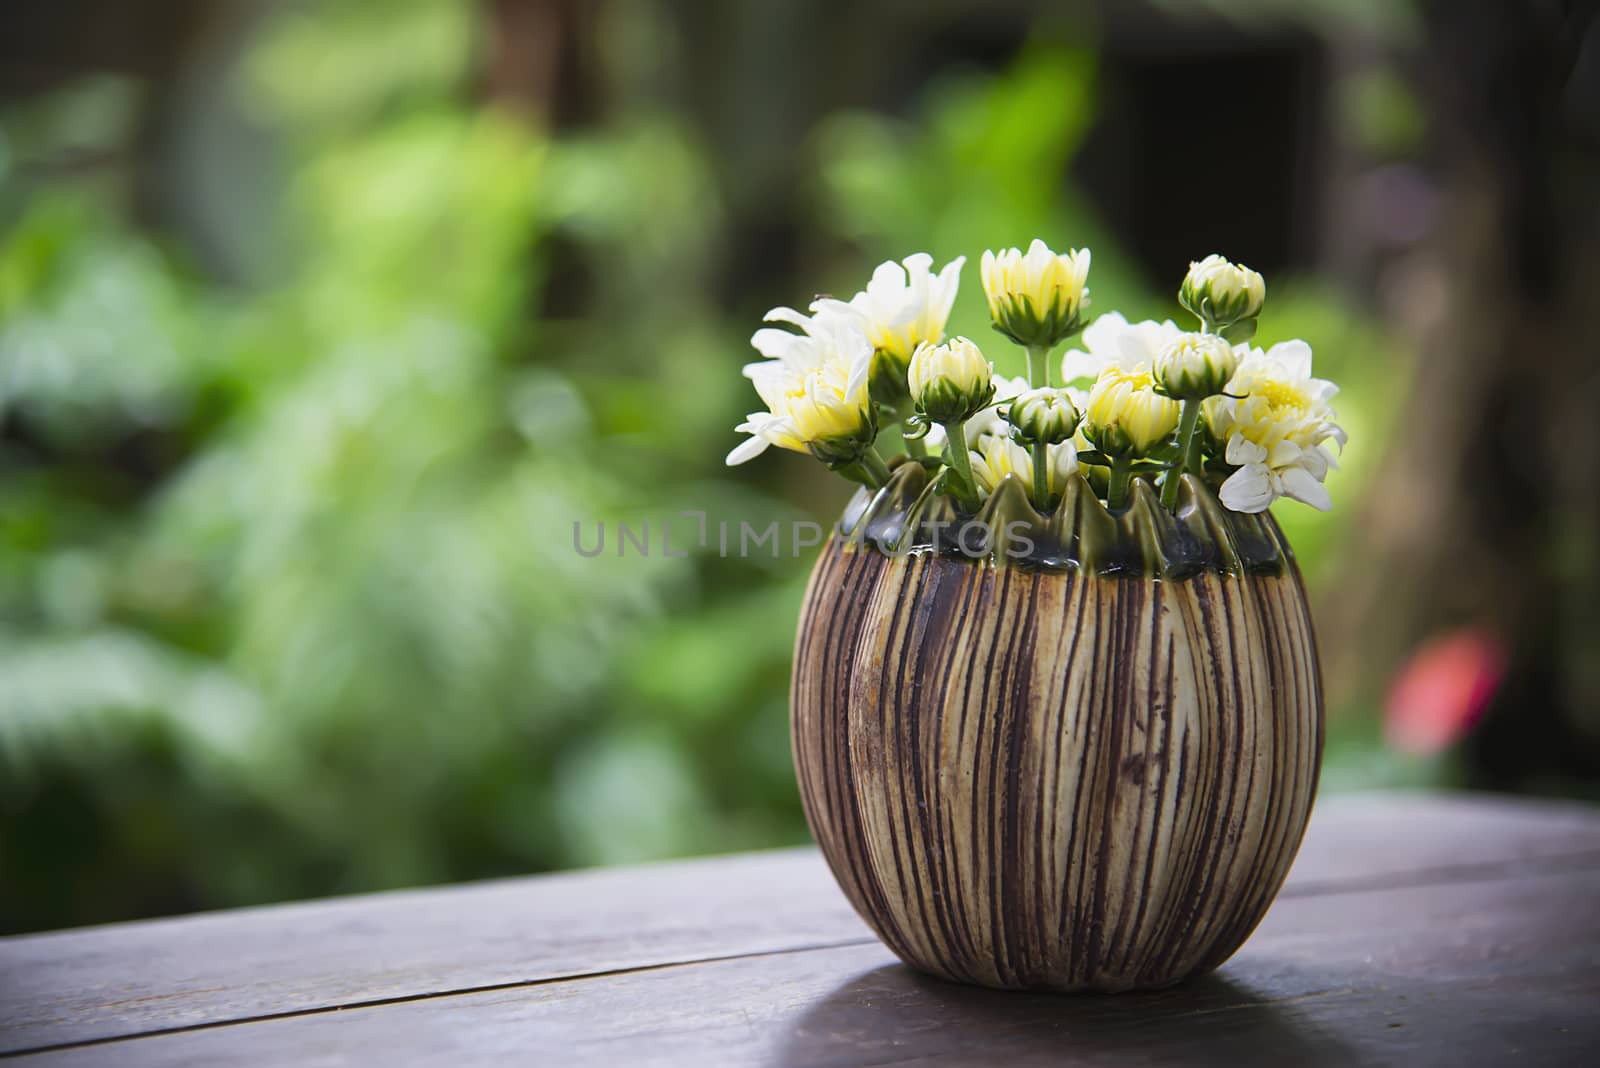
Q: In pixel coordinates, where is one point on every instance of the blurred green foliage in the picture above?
(288, 598)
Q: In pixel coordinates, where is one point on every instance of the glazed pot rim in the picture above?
(907, 518)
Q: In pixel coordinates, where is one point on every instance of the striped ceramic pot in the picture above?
(1078, 757)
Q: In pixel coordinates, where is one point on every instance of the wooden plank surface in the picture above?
(1469, 923)
(123, 979)
(1369, 980)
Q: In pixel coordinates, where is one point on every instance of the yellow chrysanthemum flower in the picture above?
(1126, 416)
(1039, 298)
(997, 456)
(815, 389)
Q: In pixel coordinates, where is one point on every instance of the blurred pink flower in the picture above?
(1442, 691)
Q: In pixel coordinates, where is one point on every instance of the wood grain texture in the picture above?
(1055, 780)
(101, 983)
(1413, 929)
(1491, 972)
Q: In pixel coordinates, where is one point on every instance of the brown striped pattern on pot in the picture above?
(1055, 780)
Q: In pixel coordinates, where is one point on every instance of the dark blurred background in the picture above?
(321, 324)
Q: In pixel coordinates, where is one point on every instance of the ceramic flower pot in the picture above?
(1085, 766)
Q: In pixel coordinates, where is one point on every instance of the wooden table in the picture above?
(1414, 930)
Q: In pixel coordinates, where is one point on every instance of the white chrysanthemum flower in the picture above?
(1039, 297)
(814, 387)
(1275, 425)
(1112, 341)
(950, 382)
(997, 456)
(825, 337)
(1125, 416)
(903, 306)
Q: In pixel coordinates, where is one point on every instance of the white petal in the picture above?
(1283, 453)
(860, 369)
(1302, 486)
(830, 308)
(1063, 460)
(786, 315)
(748, 449)
(1241, 450)
(1321, 390)
(1248, 489)
(853, 343)
(773, 343)
(1077, 365)
(1104, 334)
(908, 312)
(1293, 356)
(1142, 342)
(1316, 461)
(949, 283)
(888, 278)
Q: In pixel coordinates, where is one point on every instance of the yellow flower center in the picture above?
(1279, 395)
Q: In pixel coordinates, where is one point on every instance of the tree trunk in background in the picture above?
(1489, 511)
(540, 60)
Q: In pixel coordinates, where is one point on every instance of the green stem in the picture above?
(1188, 418)
(1038, 358)
(875, 468)
(956, 451)
(1192, 459)
(1041, 476)
(1121, 476)
(855, 473)
(915, 448)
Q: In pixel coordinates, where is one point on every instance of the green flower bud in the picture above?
(1043, 417)
(951, 382)
(1195, 367)
(1222, 293)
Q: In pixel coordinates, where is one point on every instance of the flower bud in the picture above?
(1043, 417)
(1038, 298)
(1222, 293)
(1196, 366)
(951, 382)
(1125, 416)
